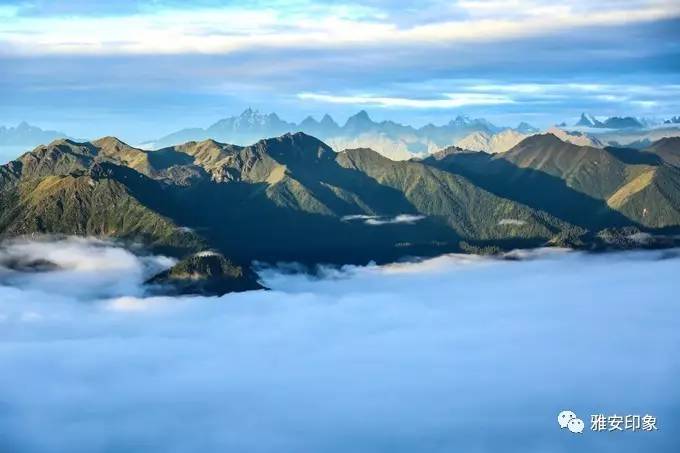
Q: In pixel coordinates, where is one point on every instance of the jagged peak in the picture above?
(295, 145)
(443, 153)
(525, 127)
(327, 119)
(66, 141)
(288, 137)
(109, 141)
(461, 119)
(210, 142)
(309, 120)
(360, 117)
(298, 136)
(547, 138)
(363, 153)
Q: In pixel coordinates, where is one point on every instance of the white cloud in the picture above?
(376, 220)
(450, 100)
(83, 267)
(223, 30)
(486, 92)
(457, 353)
(348, 218)
(646, 104)
(401, 218)
(515, 222)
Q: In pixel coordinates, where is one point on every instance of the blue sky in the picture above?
(140, 69)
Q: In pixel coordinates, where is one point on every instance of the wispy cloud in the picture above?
(401, 218)
(377, 220)
(232, 28)
(513, 222)
(450, 100)
(489, 93)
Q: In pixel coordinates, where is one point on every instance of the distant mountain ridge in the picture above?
(391, 139)
(25, 134)
(614, 122)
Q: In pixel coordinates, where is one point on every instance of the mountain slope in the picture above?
(591, 187)
(88, 203)
(472, 212)
(652, 197)
(593, 171)
(668, 149)
(293, 198)
(74, 188)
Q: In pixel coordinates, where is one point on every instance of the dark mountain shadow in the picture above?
(255, 228)
(669, 231)
(166, 158)
(243, 223)
(534, 188)
(383, 200)
(501, 245)
(633, 156)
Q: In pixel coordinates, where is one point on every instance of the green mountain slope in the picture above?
(472, 212)
(86, 204)
(593, 171)
(590, 187)
(292, 198)
(653, 198)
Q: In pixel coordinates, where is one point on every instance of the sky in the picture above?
(455, 353)
(141, 69)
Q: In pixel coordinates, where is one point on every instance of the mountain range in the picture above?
(218, 207)
(614, 122)
(26, 135)
(393, 140)
(402, 142)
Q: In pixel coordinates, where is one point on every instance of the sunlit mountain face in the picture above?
(330, 226)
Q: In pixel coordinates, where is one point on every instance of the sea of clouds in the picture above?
(453, 354)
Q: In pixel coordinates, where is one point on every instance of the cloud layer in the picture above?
(454, 353)
(232, 27)
(76, 66)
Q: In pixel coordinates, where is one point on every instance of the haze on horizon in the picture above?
(141, 69)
